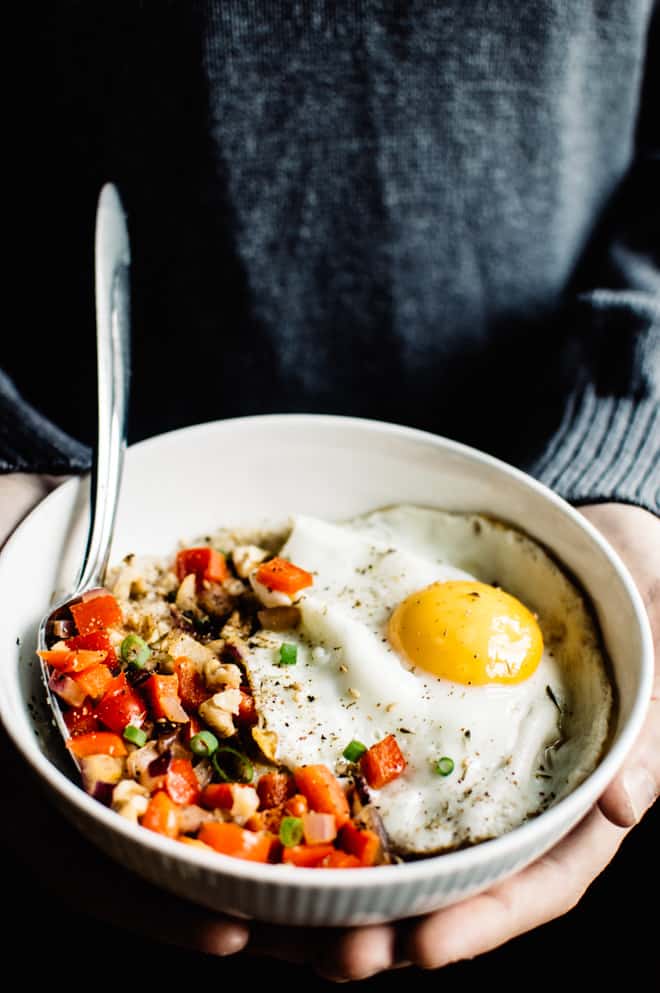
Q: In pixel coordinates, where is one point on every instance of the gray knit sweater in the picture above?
(439, 212)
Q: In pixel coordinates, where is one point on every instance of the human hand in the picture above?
(543, 891)
(549, 887)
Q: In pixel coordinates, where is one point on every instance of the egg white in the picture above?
(348, 683)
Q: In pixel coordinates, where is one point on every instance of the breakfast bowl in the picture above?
(252, 472)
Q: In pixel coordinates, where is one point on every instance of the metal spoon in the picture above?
(112, 264)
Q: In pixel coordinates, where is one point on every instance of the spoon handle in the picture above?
(113, 369)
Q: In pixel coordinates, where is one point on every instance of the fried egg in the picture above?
(462, 638)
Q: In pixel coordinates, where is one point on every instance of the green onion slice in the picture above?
(204, 744)
(135, 735)
(288, 654)
(444, 766)
(291, 831)
(135, 651)
(232, 766)
(354, 750)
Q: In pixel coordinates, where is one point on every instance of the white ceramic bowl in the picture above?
(179, 485)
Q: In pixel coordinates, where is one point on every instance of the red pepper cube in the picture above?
(323, 791)
(340, 860)
(162, 815)
(162, 693)
(218, 796)
(81, 720)
(181, 782)
(283, 576)
(383, 762)
(230, 839)
(97, 743)
(192, 688)
(362, 843)
(97, 613)
(247, 710)
(93, 681)
(206, 563)
(72, 661)
(95, 641)
(121, 705)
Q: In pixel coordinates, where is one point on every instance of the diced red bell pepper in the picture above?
(181, 782)
(362, 843)
(162, 815)
(65, 660)
(274, 788)
(309, 856)
(230, 839)
(296, 805)
(97, 613)
(121, 705)
(81, 720)
(95, 641)
(218, 796)
(206, 563)
(97, 743)
(94, 681)
(163, 695)
(340, 860)
(382, 763)
(192, 688)
(283, 576)
(323, 791)
(247, 710)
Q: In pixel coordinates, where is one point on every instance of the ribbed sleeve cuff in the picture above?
(29, 442)
(606, 449)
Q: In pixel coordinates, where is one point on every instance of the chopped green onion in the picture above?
(135, 735)
(354, 750)
(135, 651)
(444, 766)
(288, 654)
(232, 766)
(204, 744)
(291, 831)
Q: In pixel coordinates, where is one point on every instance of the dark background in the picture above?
(613, 929)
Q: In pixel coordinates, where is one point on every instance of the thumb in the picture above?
(637, 786)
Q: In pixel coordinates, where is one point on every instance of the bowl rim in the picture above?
(567, 811)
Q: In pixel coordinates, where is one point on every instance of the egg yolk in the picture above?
(468, 632)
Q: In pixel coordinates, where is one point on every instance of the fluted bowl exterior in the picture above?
(252, 470)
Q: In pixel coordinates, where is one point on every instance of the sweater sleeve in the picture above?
(29, 442)
(607, 446)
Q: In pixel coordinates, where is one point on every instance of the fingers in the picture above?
(186, 926)
(336, 953)
(19, 493)
(545, 890)
(359, 953)
(637, 786)
(299, 946)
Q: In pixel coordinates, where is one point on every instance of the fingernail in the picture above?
(233, 940)
(640, 789)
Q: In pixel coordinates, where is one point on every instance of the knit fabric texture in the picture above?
(443, 214)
